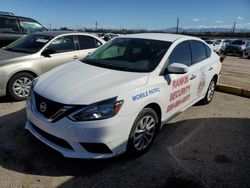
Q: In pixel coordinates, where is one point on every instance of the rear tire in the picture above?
(143, 132)
(19, 85)
(210, 92)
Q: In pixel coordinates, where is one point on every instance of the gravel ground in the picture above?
(205, 146)
(236, 72)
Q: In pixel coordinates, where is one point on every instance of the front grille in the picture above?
(51, 138)
(51, 106)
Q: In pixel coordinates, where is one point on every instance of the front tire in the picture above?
(210, 92)
(143, 132)
(19, 85)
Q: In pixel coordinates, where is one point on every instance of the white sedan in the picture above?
(119, 97)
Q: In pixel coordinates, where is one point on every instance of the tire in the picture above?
(19, 85)
(141, 137)
(210, 92)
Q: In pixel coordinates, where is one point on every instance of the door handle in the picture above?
(210, 68)
(75, 57)
(192, 77)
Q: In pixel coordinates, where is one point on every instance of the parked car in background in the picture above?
(225, 43)
(13, 27)
(237, 47)
(119, 97)
(215, 45)
(247, 52)
(35, 54)
(109, 36)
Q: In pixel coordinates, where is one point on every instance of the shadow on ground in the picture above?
(6, 99)
(209, 152)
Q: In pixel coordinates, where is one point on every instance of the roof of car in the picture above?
(56, 33)
(158, 36)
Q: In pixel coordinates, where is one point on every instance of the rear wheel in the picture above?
(210, 92)
(143, 132)
(19, 85)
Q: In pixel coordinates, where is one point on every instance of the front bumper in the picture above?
(3, 84)
(112, 132)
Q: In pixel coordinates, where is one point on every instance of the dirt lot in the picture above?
(236, 72)
(206, 146)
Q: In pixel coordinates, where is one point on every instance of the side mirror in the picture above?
(177, 68)
(47, 52)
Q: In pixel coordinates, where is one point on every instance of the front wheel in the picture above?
(19, 85)
(143, 132)
(210, 92)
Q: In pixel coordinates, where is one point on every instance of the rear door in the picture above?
(200, 68)
(87, 44)
(62, 50)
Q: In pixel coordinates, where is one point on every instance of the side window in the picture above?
(198, 51)
(8, 24)
(208, 50)
(62, 44)
(181, 54)
(88, 42)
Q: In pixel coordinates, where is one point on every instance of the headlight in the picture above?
(34, 81)
(101, 110)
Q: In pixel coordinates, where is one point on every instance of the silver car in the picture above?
(35, 54)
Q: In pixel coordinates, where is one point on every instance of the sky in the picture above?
(133, 14)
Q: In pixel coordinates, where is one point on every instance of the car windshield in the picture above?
(209, 42)
(129, 54)
(238, 42)
(31, 27)
(29, 44)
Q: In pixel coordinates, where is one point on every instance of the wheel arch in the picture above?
(156, 107)
(215, 77)
(23, 71)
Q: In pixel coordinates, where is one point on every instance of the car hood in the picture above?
(9, 57)
(80, 83)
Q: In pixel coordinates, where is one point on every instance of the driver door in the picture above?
(61, 50)
(181, 86)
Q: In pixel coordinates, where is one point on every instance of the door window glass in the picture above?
(8, 24)
(181, 54)
(198, 51)
(62, 44)
(88, 42)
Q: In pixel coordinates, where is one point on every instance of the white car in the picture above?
(247, 51)
(215, 45)
(119, 96)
